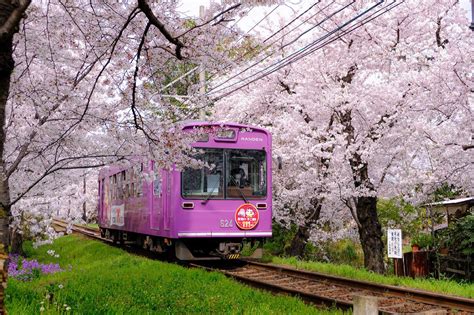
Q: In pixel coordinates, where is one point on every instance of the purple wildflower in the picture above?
(22, 269)
(50, 268)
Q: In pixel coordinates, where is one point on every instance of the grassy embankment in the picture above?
(99, 279)
(434, 285)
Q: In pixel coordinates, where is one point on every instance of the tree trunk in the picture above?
(370, 234)
(16, 243)
(6, 68)
(11, 12)
(370, 230)
(298, 244)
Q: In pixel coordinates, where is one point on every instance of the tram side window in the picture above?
(139, 187)
(156, 180)
(112, 185)
(137, 172)
(119, 187)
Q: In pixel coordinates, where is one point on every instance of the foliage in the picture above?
(423, 240)
(446, 191)
(397, 213)
(281, 239)
(459, 237)
(434, 285)
(107, 280)
(343, 251)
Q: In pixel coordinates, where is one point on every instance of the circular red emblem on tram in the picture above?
(246, 216)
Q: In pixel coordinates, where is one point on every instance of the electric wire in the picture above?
(261, 20)
(308, 49)
(294, 56)
(265, 48)
(248, 52)
(365, 21)
(295, 59)
(215, 89)
(291, 22)
(228, 28)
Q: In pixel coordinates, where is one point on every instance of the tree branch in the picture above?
(209, 21)
(145, 8)
(135, 75)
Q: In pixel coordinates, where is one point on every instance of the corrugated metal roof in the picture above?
(451, 202)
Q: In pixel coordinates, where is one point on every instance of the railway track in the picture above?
(322, 289)
(63, 226)
(327, 290)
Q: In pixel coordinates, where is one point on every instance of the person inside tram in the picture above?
(239, 176)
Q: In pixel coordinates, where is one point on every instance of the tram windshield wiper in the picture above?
(240, 190)
(210, 193)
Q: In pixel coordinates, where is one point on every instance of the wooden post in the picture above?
(365, 305)
(84, 212)
(3, 270)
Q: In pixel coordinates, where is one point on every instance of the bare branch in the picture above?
(145, 8)
(135, 75)
(21, 155)
(209, 21)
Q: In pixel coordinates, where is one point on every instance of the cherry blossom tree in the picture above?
(81, 83)
(372, 114)
(81, 74)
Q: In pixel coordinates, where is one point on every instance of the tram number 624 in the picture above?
(224, 223)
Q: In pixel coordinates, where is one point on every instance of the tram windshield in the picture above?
(234, 174)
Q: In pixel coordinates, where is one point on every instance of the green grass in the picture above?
(429, 284)
(99, 279)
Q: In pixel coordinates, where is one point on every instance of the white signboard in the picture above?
(394, 243)
(117, 215)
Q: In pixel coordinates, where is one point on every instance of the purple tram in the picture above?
(206, 213)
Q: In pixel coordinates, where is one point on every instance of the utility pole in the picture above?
(84, 215)
(202, 73)
(472, 15)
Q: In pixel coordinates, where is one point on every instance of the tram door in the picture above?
(101, 198)
(167, 179)
(157, 201)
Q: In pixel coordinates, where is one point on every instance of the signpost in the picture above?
(394, 243)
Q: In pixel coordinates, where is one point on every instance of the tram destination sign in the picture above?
(394, 243)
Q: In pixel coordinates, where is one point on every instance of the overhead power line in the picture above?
(215, 89)
(259, 51)
(308, 49)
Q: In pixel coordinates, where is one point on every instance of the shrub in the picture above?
(424, 240)
(460, 235)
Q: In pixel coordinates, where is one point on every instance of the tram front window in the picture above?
(246, 174)
(205, 182)
(244, 171)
